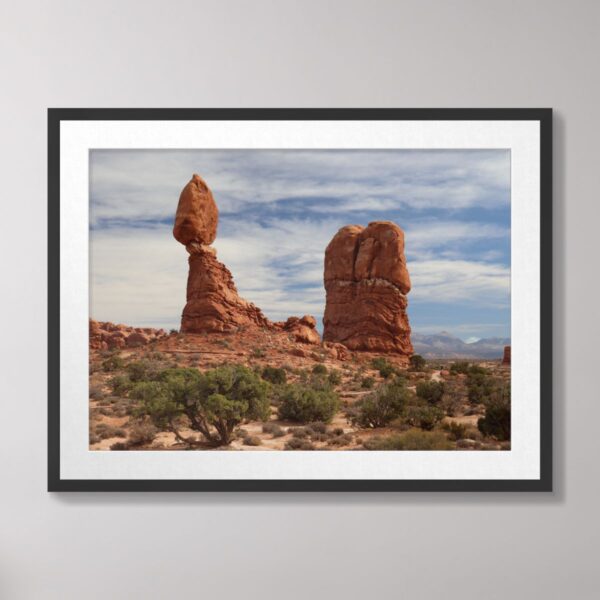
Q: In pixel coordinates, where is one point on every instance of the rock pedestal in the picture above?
(213, 302)
(366, 282)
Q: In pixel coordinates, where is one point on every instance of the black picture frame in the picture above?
(58, 115)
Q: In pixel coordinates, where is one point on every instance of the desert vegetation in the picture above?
(185, 393)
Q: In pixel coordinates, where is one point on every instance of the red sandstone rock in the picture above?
(137, 339)
(197, 214)
(299, 352)
(366, 281)
(109, 336)
(116, 340)
(337, 351)
(95, 334)
(303, 329)
(506, 357)
(213, 303)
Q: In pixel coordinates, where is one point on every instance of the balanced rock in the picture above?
(366, 282)
(213, 303)
(197, 214)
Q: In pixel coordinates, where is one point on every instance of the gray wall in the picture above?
(281, 53)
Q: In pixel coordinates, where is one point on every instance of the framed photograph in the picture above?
(300, 300)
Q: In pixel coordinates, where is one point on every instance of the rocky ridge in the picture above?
(105, 335)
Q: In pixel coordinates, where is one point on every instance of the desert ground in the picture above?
(376, 402)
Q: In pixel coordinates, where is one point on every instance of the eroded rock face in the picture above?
(506, 356)
(303, 329)
(213, 302)
(197, 214)
(366, 282)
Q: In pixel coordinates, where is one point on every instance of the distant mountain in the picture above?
(445, 345)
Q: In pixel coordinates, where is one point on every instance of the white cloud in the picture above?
(138, 277)
(427, 236)
(445, 281)
(146, 184)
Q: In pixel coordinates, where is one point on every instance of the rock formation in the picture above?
(366, 282)
(213, 302)
(197, 214)
(109, 336)
(506, 356)
(303, 329)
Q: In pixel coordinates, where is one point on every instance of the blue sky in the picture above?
(278, 211)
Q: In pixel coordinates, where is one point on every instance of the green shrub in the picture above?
(143, 370)
(317, 427)
(381, 407)
(142, 432)
(306, 404)
(480, 384)
(300, 432)
(96, 392)
(334, 377)
(340, 440)
(120, 385)
(252, 440)
(385, 368)
(258, 353)
(431, 391)
(274, 375)
(105, 431)
(460, 366)
(424, 416)
(119, 446)
(319, 369)
(214, 403)
(457, 431)
(367, 383)
(274, 429)
(410, 440)
(113, 363)
(417, 362)
(298, 444)
(496, 422)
